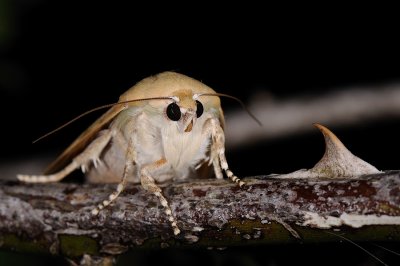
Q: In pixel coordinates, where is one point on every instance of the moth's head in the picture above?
(183, 103)
(184, 109)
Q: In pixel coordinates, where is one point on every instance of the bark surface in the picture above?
(55, 218)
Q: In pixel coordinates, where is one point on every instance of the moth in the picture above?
(166, 127)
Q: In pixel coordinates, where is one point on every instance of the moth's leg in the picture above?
(130, 158)
(217, 169)
(149, 184)
(213, 128)
(90, 154)
(213, 159)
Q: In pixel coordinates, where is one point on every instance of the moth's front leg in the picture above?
(213, 128)
(130, 159)
(150, 185)
(90, 155)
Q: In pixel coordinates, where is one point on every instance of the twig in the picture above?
(55, 218)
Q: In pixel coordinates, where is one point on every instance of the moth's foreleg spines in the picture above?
(91, 153)
(96, 162)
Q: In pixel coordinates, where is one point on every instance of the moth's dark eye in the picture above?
(173, 112)
(200, 109)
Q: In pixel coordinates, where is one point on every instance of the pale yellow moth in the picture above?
(166, 127)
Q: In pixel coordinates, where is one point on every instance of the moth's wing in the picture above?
(83, 140)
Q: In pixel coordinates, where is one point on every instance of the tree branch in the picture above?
(55, 218)
(285, 117)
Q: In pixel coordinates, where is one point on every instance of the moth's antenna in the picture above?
(391, 251)
(96, 109)
(236, 99)
(357, 245)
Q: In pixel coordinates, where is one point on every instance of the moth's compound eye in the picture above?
(173, 112)
(199, 108)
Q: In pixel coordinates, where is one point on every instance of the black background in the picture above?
(60, 58)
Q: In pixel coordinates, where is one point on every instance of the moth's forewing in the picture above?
(83, 140)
